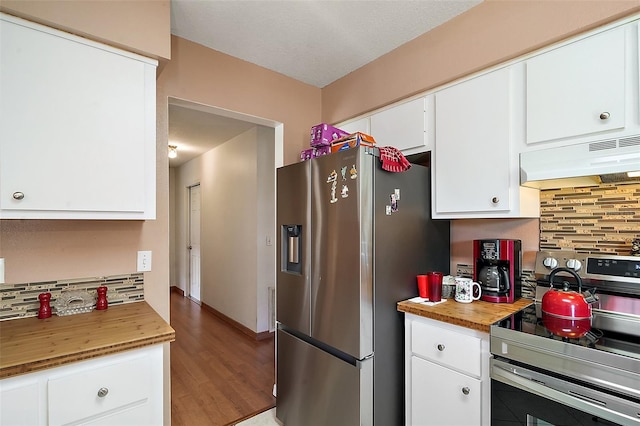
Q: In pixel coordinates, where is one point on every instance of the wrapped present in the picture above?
(322, 150)
(307, 154)
(323, 134)
(351, 141)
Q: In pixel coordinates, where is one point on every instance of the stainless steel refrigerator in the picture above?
(351, 240)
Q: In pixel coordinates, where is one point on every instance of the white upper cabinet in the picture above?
(77, 127)
(402, 126)
(360, 125)
(577, 89)
(475, 169)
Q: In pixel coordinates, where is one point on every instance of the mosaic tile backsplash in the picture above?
(21, 300)
(599, 219)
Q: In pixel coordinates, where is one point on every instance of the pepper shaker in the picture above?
(45, 307)
(102, 303)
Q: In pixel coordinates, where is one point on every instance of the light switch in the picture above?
(144, 261)
(1, 271)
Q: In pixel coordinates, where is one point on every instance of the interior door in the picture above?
(194, 242)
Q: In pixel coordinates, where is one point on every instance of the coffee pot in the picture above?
(497, 268)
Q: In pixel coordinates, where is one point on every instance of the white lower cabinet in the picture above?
(447, 374)
(120, 389)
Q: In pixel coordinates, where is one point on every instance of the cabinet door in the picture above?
(360, 125)
(577, 89)
(77, 127)
(442, 397)
(20, 402)
(472, 147)
(401, 126)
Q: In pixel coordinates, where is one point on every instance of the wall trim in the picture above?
(264, 335)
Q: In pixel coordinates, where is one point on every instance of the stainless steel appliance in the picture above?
(541, 377)
(497, 268)
(352, 238)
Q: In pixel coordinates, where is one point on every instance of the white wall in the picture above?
(237, 183)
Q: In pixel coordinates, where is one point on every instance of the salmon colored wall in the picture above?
(209, 77)
(490, 33)
(141, 26)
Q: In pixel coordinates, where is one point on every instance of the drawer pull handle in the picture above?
(466, 390)
(604, 116)
(18, 195)
(103, 392)
(441, 347)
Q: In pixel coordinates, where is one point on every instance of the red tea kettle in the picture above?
(567, 312)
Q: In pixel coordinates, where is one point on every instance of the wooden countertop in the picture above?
(478, 315)
(33, 344)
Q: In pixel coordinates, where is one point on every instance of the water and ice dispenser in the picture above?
(292, 248)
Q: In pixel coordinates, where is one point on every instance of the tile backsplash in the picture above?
(599, 219)
(21, 300)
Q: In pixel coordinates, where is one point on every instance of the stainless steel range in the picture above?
(547, 374)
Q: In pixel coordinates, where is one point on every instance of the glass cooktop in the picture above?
(534, 324)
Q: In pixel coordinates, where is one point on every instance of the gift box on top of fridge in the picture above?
(351, 141)
(323, 134)
(309, 153)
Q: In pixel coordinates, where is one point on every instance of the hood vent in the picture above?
(585, 164)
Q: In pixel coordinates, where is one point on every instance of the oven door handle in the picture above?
(594, 402)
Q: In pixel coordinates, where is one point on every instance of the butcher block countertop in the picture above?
(32, 344)
(478, 315)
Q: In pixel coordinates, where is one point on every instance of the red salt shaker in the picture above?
(45, 307)
(102, 303)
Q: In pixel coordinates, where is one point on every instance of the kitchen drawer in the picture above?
(76, 397)
(449, 348)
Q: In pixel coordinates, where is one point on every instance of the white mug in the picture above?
(464, 290)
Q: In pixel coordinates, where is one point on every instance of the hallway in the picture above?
(218, 374)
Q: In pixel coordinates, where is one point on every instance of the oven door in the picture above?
(521, 396)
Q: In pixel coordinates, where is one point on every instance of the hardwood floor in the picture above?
(218, 374)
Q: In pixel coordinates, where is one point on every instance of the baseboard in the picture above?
(176, 289)
(263, 335)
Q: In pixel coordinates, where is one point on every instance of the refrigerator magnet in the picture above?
(345, 191)
(332, 177)
(353, 172)
(394, 203)
(343, 171)
(333, 192)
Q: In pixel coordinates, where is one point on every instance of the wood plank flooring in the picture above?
(218, 374)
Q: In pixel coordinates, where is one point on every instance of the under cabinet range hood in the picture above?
(584, 164)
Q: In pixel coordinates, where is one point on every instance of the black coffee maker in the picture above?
(497, 267)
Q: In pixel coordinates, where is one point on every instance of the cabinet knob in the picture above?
(495, 200)
(441, 347)
(466, 390)
(102, 392)
(604, 116)
(18, 195)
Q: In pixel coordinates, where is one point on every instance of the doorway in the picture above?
(205, 257)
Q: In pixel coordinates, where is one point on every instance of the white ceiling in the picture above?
(316, 42)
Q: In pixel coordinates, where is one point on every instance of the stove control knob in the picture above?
(550, 262)
(574, 264)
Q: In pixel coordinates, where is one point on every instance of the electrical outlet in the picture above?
(144, 261)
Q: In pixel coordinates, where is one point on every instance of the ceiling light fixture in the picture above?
(173, 151)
